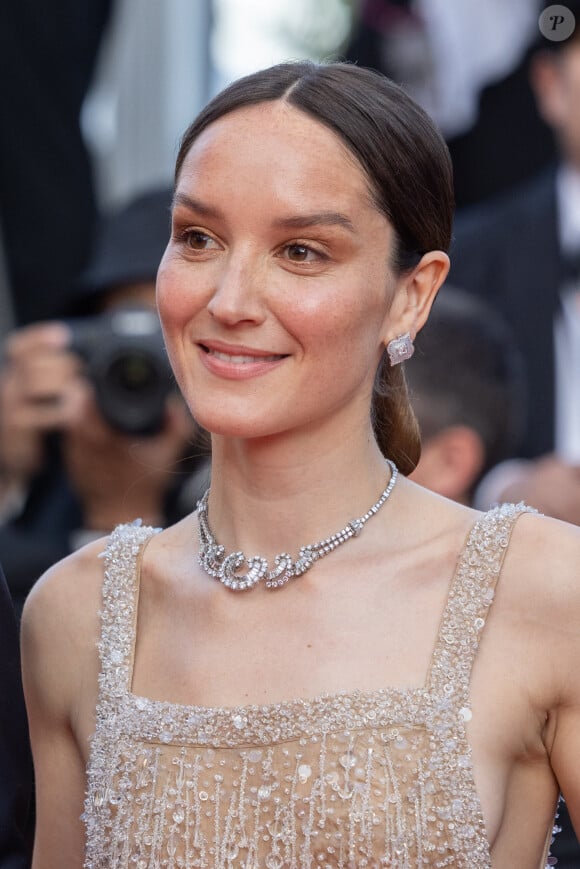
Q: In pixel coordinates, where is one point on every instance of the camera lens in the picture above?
(132, 389)
(128, 366)
(131, 373)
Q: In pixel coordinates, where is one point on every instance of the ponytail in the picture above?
(394, 422)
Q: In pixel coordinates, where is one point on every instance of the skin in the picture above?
(294, 458)
(38, 393)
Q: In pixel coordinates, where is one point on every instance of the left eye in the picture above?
(301, 253)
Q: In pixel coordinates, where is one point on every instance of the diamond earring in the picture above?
(400, 348)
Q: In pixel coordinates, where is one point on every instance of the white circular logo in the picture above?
(557, 23)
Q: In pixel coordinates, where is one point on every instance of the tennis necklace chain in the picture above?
(226, 567)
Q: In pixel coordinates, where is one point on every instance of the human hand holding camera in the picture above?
(40, 392)
(121, 428)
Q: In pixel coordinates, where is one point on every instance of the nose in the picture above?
(237, 296)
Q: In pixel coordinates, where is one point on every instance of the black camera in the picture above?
(127, 364)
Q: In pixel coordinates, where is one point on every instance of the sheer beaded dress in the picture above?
(363, 779)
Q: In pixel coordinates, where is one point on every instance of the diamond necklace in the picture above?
(212, 556)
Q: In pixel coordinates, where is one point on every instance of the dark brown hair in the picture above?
(409, 170)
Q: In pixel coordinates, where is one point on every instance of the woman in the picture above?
(312, 702)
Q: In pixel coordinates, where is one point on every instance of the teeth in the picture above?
(242, 360)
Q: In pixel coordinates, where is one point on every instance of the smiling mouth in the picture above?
(240, 359)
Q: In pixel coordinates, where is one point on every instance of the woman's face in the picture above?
(275, 286)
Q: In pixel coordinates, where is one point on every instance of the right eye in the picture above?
(196, 240)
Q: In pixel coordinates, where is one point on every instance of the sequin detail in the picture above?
(358, 779)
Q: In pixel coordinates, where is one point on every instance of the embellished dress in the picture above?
(364, 779)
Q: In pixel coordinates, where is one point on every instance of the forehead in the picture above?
(279, 147)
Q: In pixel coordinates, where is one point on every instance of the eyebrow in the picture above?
(195, 205)
(319, 218)
(298, 221)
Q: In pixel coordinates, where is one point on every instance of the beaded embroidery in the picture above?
(360, 779)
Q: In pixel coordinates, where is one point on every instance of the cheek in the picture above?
(175, 307)
(354, 321)
(348, 306)
(175, 301)
(341, 339)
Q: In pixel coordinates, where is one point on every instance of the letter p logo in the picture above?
(557, 23)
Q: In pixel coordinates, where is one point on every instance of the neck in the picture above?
(273, 496)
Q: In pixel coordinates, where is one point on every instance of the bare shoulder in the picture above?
(65, 592)
(539, 595)
(60, 624)
(543, 560)
(541, 571)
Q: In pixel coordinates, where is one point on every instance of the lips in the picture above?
(238, 362)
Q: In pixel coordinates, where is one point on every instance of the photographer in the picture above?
(91, 431)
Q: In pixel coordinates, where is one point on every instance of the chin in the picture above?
(237, 424)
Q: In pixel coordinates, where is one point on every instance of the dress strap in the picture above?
(119, 607)
(470, 596)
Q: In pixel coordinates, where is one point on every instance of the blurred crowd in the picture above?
(92, 429)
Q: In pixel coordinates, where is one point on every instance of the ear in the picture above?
(451, 462)
(414, 294)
